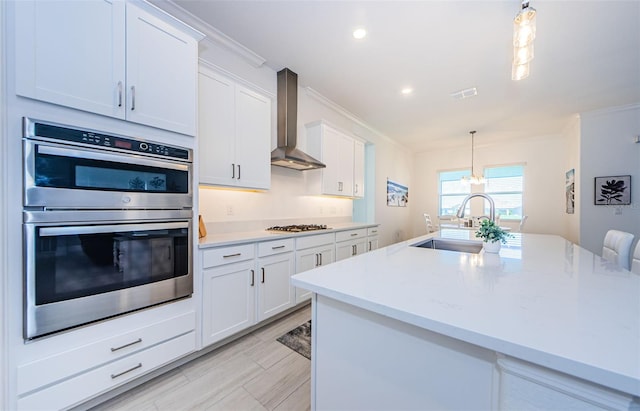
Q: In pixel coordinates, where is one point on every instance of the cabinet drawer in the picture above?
(275, 247)
(372, 231)
(36, 374)
(350, 235)
(225, 255)
(315, 240)
(84, 386)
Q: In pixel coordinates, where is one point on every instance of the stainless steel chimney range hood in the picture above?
(286, 154)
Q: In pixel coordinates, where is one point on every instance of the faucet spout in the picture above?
(492, 205)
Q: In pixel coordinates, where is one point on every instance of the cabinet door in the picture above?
(253, 139)
(275, 292)
(228, 300)
(348, 249)
(345, 165)
(358, 169)
(72, 53)
(372, 243)
(216, 130)
(330, 149)
(162, 67)
(312, 258)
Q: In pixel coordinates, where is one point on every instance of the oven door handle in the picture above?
(118, 158)
(116, 228)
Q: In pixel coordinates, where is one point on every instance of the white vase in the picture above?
(491, 247)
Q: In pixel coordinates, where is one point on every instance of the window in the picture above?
(505, 186)
(453, 191)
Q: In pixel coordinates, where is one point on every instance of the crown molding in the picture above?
(609, 110)
(212, 34)
(349, 115)
(206, 65)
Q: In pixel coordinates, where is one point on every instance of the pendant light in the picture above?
(473, 179)
(524, 32)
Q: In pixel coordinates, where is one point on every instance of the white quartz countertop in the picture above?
(542, 299)
(231, 238)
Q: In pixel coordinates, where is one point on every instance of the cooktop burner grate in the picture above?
(297, 228)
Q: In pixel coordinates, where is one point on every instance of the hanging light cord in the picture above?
(472, 169)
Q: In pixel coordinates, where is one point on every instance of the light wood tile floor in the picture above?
(253, 373)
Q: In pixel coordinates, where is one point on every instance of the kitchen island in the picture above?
(543, 324)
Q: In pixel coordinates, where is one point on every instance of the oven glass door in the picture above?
(82, 273)
(93, 170)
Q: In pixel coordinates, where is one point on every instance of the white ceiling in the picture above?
(587, 57)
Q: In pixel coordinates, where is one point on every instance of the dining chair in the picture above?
(428, 222)
(635, 260)
(522, 221)
(617, 247)
(448, 221)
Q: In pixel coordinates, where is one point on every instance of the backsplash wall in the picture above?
(232, 210)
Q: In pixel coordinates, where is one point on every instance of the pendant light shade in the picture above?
(473, 179)
(524, 32)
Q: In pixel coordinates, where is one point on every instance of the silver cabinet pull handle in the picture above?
(232, 255)
(119, 93)
(339, 185)
(278, 247)
(233, 170)
(354, 234)
(317, 260)
(320, 258)
(356, 189)
(238, 171)
(139, 340)
(353, 249)
(262, 274)
(114, 376)
(369, 245)
(133, 98)
(253, 278)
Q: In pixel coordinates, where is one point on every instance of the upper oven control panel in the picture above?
(36, 128)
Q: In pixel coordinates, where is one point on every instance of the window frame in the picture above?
(461, 172)
(494, 193)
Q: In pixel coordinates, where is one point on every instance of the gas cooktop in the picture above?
(297, 228)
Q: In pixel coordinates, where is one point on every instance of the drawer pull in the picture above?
(280, 246)
(114, 376)
(253, 278)
(232, 255)
(139, 340)
(354, 234)
(262, 268)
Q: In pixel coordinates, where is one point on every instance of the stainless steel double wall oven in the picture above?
(107, 224)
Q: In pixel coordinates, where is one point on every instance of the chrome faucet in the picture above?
(492, 205)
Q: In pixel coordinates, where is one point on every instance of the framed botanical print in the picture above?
(614, 190)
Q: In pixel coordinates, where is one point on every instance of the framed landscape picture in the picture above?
(614, 190)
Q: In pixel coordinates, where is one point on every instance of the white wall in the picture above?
(289, 199)
(545, 160)
(608, 148)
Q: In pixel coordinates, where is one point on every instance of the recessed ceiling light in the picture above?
(406, 91)
(359, 33)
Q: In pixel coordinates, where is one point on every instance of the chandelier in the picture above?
(524, 32)
(473, 179)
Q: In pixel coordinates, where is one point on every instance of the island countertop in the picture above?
(542, 299)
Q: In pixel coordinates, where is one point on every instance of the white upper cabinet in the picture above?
(110, 58)
(234, 135)
(358, 169)
(344, 159)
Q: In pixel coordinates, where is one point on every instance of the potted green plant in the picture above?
(493, 236)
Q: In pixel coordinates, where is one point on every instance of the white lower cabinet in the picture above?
(351, 243)
(311, 252)
(243, 285)
(228, 292)
(72, 377)
(372, 238)
(275, 268)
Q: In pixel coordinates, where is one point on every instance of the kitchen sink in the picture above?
(450, 245)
